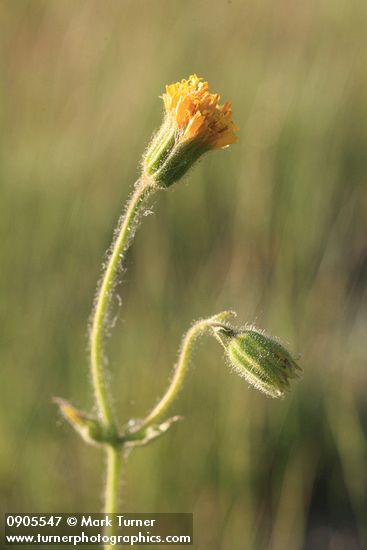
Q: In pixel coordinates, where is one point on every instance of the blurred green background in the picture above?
(274, 227)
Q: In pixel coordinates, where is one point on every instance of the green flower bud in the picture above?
(260, 359)
(168, 158)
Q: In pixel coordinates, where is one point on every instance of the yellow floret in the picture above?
(198, 114)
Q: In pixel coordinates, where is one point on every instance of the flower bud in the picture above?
(260, 359)
(194, 123)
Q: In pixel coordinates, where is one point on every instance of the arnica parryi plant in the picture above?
(194, 123)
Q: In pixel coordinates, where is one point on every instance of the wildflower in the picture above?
(260, 359)
(194, 123)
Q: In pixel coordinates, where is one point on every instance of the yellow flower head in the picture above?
(195, 123)
(198, 114)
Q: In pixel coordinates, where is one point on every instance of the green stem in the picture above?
(179, 374)
(114, 463)
(124, 235)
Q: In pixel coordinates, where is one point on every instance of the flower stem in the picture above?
(124, 235)
(114, 463)
(180, 371)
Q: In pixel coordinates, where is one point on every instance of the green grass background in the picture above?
(274, 227)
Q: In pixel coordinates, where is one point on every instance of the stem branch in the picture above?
(180, 371)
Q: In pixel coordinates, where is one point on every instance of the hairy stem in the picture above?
(179, 373)
(114, 463)
(124, 235)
